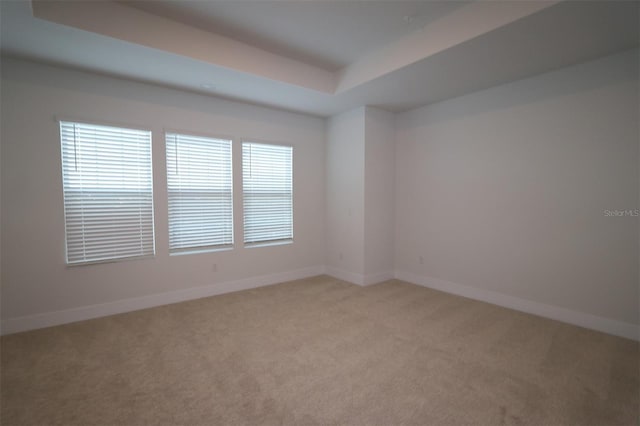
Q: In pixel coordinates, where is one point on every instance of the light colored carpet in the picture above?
(320, 351)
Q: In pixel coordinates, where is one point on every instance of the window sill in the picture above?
(200, 250)
(104, 261)
(269, 243)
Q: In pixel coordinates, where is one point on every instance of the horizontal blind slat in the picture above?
(267, 181)
(200, 191)
(108, 192)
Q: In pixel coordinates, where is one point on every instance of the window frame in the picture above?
(271, 242)
(208, 248)
(59, 120)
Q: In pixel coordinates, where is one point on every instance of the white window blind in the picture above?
(200, 188)
(267, 185)
(108, 192)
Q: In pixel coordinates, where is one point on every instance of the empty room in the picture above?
(319, 212)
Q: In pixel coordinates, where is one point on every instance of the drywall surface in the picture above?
(35, 278)
(359, 201)
(379, 193)
(345, 160)
(518, 189)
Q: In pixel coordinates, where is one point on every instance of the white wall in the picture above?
(35, 279)
(505, 190)
(360, 208)
(501, 192)
(379, 205)
(345, 160)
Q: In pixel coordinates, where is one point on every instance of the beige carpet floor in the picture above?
(320, 352)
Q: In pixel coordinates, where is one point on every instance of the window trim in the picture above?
(268, 243)
(59, 119)
(98, 122)
(209, 248)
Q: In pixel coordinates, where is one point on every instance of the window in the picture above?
(268, 192)
(108, 192)
(200, 189)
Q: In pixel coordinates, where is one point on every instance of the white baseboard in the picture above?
(345, 275)
(378, 278)
(48, 319)
(606, 325)
(359, 279)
